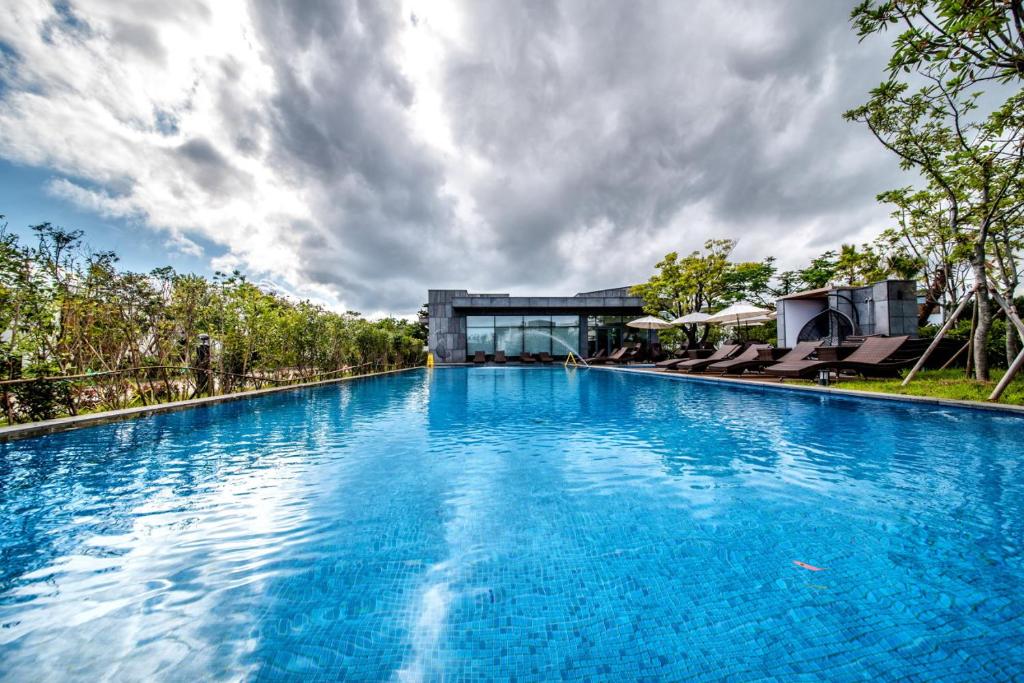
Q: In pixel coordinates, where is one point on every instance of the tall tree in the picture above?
(66, 310)
(970, 156)
(924, 240)
(981, 39)
(703, 281)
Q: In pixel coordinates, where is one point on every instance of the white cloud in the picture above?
(173, 132)
(359, 154)
(96, 201)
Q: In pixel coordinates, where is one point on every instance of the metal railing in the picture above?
(29, 399)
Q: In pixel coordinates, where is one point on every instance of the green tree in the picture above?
(821, 272)
(751, 281)
(66, 310)
(702, 281)
(972, 157)
(924, 246)
(976, 40)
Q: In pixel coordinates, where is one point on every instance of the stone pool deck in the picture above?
(770, 384)
(63, 424)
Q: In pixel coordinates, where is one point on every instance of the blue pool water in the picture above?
(504, 524)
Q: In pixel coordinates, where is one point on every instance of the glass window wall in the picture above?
(563, 339)
(509, 340)
(480, 339)
(513, 334)
(607, 332)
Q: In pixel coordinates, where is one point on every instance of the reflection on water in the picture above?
(537, 524)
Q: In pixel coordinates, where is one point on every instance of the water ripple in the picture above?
(538, 524)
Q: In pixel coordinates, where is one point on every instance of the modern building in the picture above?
(833, 313)
(460, 323)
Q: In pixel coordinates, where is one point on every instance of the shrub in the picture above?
(43, 399)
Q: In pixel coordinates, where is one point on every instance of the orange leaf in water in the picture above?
(808, 566)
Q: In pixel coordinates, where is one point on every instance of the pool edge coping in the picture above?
(64, 424)
(830, 391)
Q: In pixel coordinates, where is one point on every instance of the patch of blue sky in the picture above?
(25, 201)
(65, 21)
(8, 62)
(166, 122)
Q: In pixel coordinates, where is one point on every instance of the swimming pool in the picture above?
(536, 524)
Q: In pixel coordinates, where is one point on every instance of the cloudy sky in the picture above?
(361, 152)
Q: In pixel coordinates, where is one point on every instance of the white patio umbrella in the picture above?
(738, 312)
(759, 320)
(695, 317)
(649, 323)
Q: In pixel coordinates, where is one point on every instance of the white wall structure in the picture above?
(888, 307)
(793, 315)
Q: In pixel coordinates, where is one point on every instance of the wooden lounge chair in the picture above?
(480, 357)
(616, 356)
(545, 357)
(632, 353)
(597, 357)
(741, 364)
(499, 357)
(635, 354)
(525, 357)
(736, 366)
(726, 352)
(876, 356)
(669, 362)
(738, 363)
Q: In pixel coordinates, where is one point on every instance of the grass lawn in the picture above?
(940, 384)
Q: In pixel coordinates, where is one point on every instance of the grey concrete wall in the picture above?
(448, 308)
(615, 291)
(846, 301)
(793, 314)
(888, 307)
(462, 300)
(902, 307)
(446, 331)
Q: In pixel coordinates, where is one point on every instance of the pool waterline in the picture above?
(832, 390)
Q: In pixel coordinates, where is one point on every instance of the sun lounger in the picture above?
(617, 356)
(597, 357)
(876, 356)
(748, 355)
(669, 362)
(631, 353)
(526, 358)
(545, 357)
(741, 364)
(726, 352)
(499, 357)
(479, 357)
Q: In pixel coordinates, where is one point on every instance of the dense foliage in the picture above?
(65, 311)
(703, 281)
